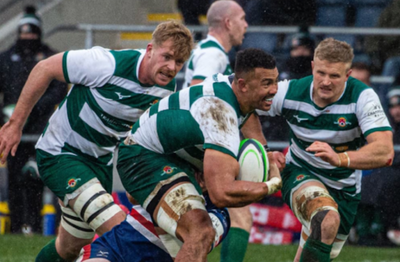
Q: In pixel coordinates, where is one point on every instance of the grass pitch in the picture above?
(17, 248)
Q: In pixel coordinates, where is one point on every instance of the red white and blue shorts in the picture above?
(134, 240)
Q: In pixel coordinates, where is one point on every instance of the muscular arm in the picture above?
(252, 129)
(220, 171)
(377, 153)
(38, 82)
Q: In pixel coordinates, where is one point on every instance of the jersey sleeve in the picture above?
(219, 124)
(370, 113)
(277, 102)
(92, 67)
(208, 62)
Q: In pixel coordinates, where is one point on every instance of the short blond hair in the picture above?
(180, 34)
(334, 51)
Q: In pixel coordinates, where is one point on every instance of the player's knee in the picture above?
(69, 248)
(201, 227)
(180, 199)
(95, 206)
(312, 200)
(324, 225)
(70, 253)
(331, 224)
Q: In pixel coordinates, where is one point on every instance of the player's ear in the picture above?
(242, 84)
(227, 23)
(149, 48)
(349, 72)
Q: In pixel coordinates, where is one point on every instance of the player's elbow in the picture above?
(219, 199)
(388, 159)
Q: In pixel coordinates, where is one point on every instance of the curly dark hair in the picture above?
(249, 59)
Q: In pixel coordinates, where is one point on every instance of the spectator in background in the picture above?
(390, 195)
(191, 10)
(362, 72)
(382, 47)
(368, 227)
(378, 214)
(298, 65)
(25, 188)
(280, 12)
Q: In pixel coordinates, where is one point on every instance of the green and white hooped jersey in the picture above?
(209, 58)
(343, 124)
(102, 106)
(194, 119)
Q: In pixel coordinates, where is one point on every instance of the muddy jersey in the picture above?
(103, 104)
(207, 59)
(196, 118)
(343, 124)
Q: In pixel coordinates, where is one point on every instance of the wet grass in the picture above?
(17, 248)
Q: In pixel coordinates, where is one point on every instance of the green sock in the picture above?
(315, 251)
(234, 246)
(49, 253)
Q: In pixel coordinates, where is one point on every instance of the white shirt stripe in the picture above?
(328, 136)
(184, 99)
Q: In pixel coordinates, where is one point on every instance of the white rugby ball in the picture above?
(253, 161)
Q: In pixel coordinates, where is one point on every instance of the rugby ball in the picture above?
(253, 161)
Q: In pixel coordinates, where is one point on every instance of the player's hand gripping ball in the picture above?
(253, 161)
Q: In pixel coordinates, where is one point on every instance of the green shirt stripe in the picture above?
(223, 91)
(194, 93)
(219, 148)
(64, 65)
(377, 129)
(173, 101)
(190, 135)
(153, 110)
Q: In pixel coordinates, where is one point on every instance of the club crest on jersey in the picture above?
(168, 170)
(300, 177)
(154, 102)
(72, 182)
(342, 122)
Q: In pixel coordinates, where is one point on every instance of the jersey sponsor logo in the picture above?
(122, 96)
(113, 121)
(72, 182)
(342, 122)
(215, 77)
(102, 254)
(168, 170)
(341, 148)
(375, 110)
(299, 119)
